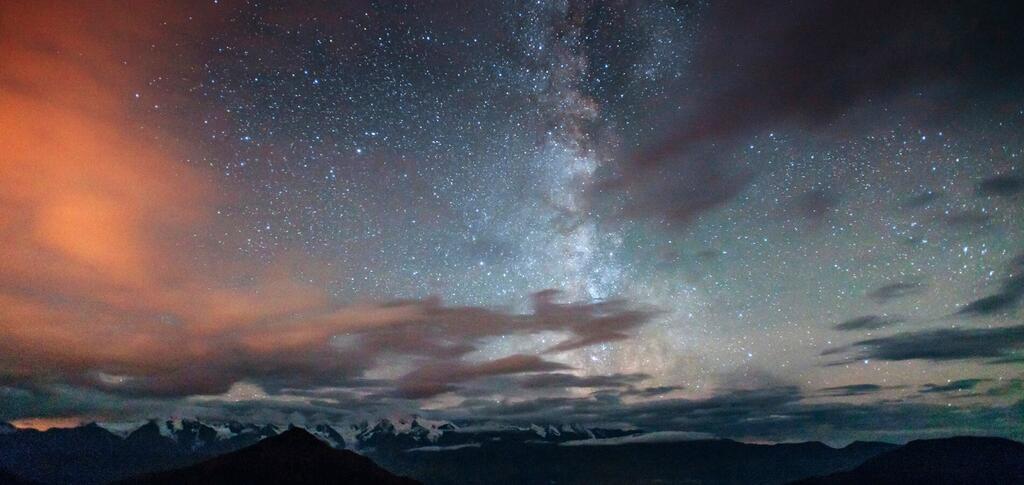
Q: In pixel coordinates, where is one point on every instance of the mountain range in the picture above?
(441, 452)
(102, 452)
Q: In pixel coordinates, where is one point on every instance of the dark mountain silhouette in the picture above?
(441, 453)
(435, 452)
(294, 457)
(959, 461)
(147, 436)
(73, 455)
(92, 455)
(192, 437)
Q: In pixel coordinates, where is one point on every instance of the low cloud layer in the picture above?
(765, 413)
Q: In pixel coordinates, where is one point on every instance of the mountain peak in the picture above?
(294, 438)
(294, 456)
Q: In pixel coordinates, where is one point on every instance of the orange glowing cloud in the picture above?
(103, 270)
(43, 424)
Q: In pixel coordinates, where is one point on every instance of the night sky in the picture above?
(763, 220)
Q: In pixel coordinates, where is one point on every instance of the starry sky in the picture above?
(763, 220)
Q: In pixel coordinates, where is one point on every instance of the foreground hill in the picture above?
(294, 457)
(624, 462)
(952, 461)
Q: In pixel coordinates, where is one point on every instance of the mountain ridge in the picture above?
(436, 452)
(958, 460)
(294, 456)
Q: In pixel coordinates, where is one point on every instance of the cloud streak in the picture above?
(894, 291)
(942, 344)
(867, 322)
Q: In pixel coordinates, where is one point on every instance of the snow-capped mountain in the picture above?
(192, 436)
(185, 433)
(328, 434)
(105, 452)
(411, 431)
(234, 429)
(433, 451)
(199, 436)
(121, 428)
(394, 434)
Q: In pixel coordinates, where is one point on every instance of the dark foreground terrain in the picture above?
(441, 453)
(950, 461)
(703, 461)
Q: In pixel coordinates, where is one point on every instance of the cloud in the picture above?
(118, 278)
(759, 67)
(868, 322)
(780, 413)
(1009, 296)
(1008, 360)
(1009, 387)
(1001, 185)
(815, 205)
(559, 380)
(943, 344)
(812, 60)
(438, 378)
(923, 199)
(591, 323)
(852, 390)
(952, 386)
(693, 186)
(61, 400)
(298, 341)
(967, 219)
(894, 291)
(773, 413)
(653, 437)
(990, 305)
(1017, 263)
(648, 392)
